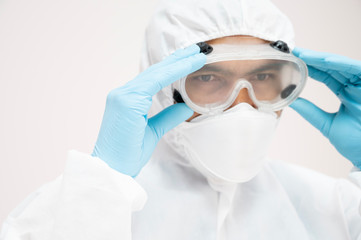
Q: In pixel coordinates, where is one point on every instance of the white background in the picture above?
(59, 59)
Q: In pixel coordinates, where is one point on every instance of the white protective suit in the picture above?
(170, 199)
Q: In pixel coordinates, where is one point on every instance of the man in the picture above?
(199, 185)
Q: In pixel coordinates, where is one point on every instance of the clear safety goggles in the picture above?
(273, 76)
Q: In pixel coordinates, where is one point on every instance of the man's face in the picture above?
(235, 69)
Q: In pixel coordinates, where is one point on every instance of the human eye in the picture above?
(208, 81)
(205, 78)
(262, 77)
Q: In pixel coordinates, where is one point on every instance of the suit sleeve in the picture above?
(351, 200)
(89, 201)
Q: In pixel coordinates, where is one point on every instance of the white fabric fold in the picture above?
(89, 201)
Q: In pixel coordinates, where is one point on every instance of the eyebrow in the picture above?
(214, 68)
(265, 67)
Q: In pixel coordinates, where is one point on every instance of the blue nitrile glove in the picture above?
(343, 76)
(127, 137)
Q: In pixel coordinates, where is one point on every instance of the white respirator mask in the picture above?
(231, 146)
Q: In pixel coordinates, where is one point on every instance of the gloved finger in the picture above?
(325, 78)
(161, 77)
(321, 64)
(330, 61)
(177, 55)
(347, 75)
(351, 99)
(337, 75)
(343, 77)
(317, 117)
(169, 118)
(349, 94)
(162, 123)
(298, 52)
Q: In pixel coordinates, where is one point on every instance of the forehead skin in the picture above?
(239, 39)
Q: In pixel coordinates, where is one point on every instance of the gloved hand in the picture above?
(343, 76)
(127, 137)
